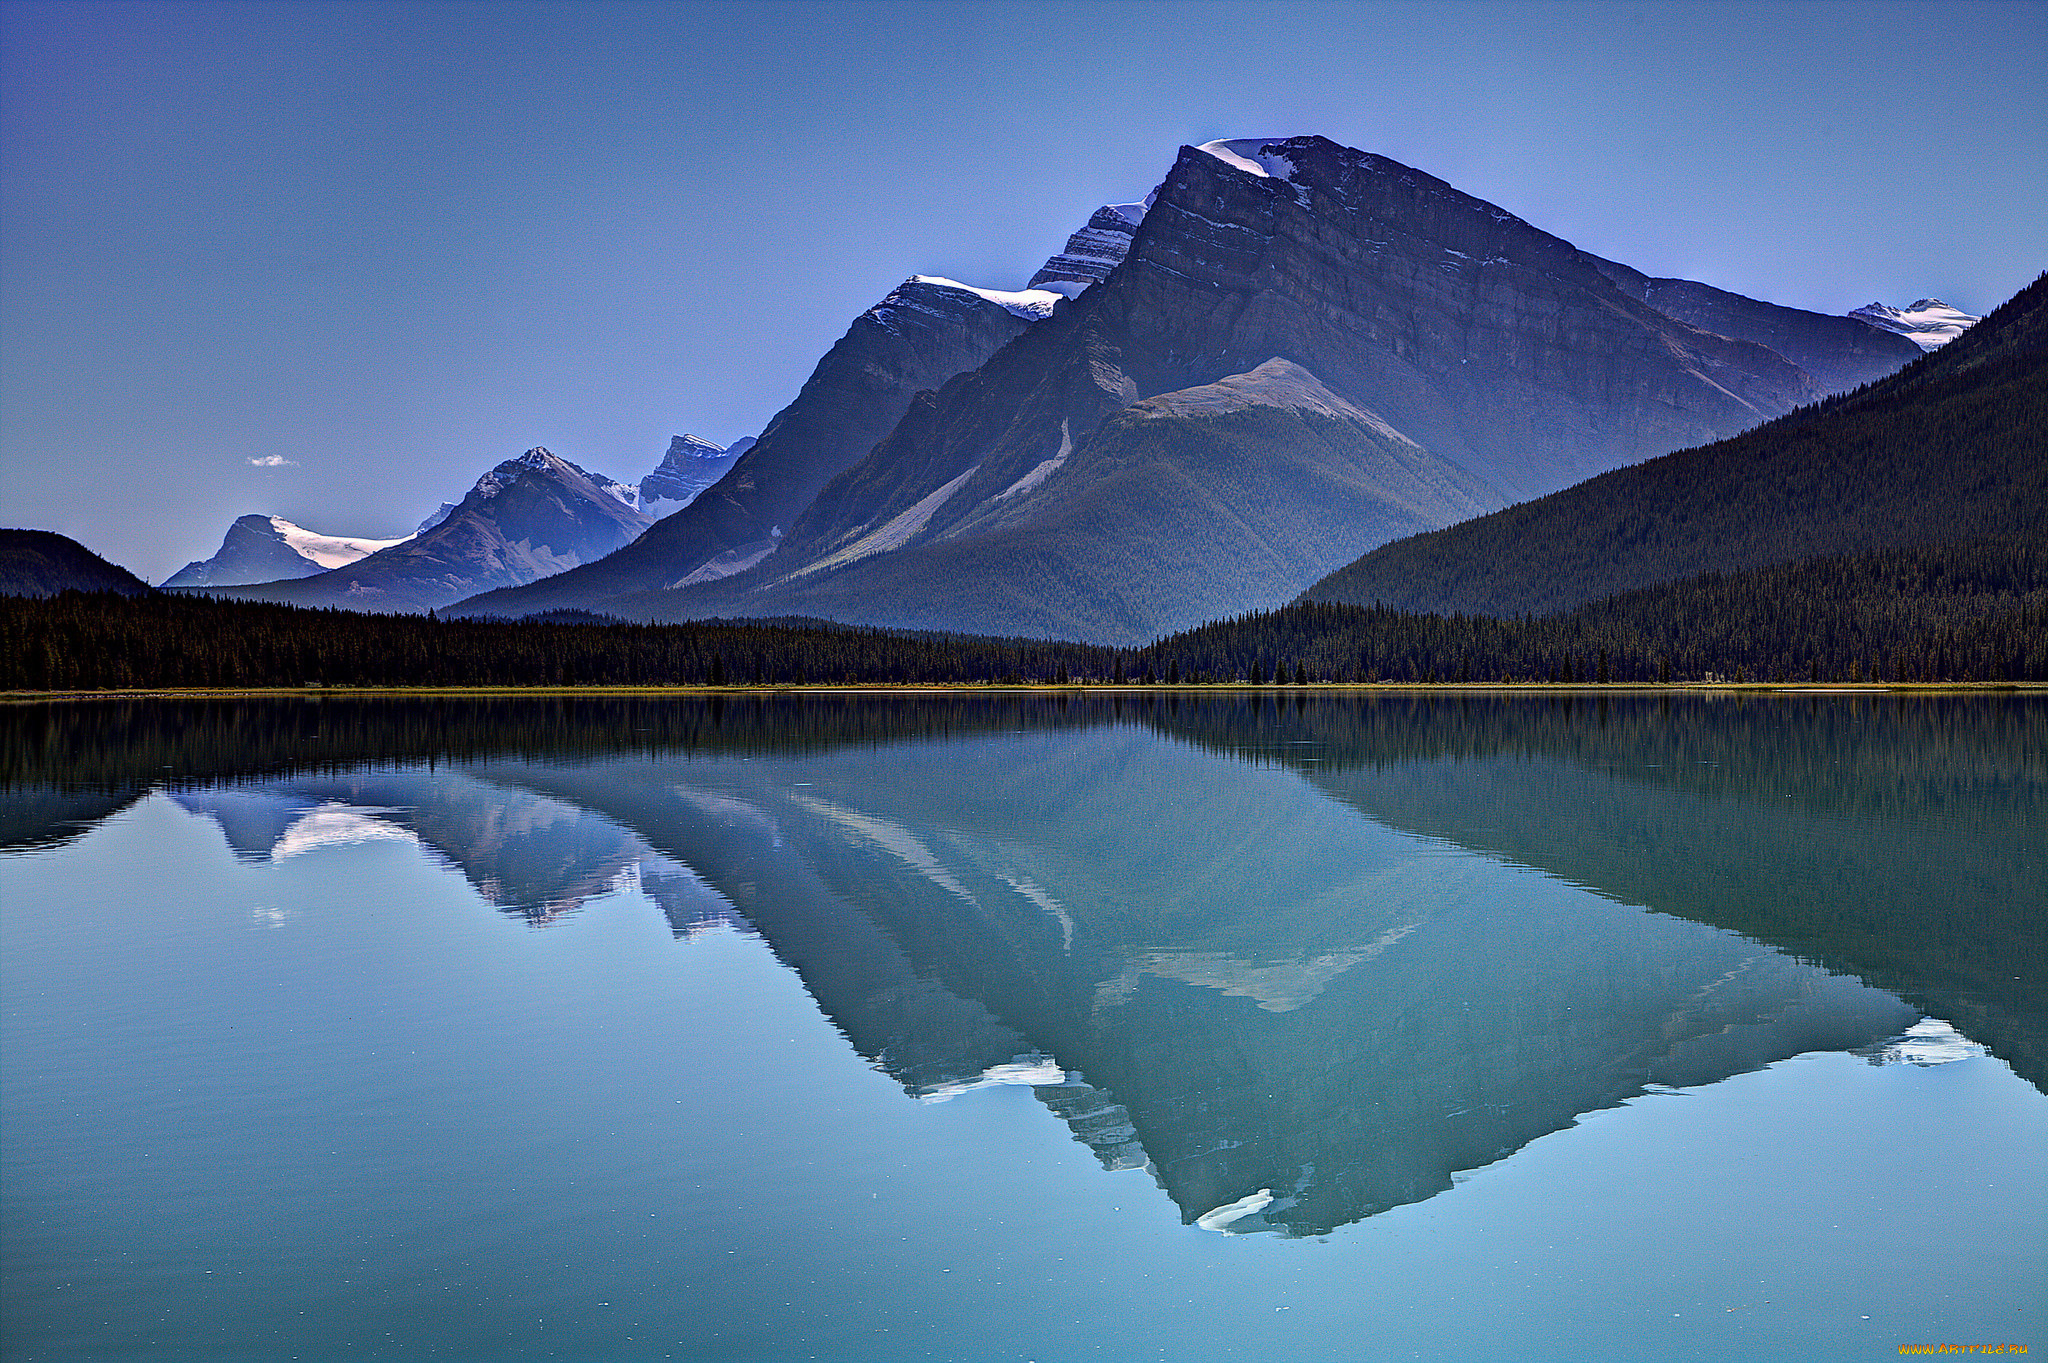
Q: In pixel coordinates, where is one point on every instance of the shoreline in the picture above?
(1321, 689)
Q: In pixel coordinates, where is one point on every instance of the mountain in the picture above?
(691, 465)
(923, 333)
(527, 518)
(1304, 351)
(1953, 448)
(1927, 323)
(268, 548)
(43, 563)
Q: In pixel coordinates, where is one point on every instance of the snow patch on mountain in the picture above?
(329, 551)
(691, 465)
(1929, 323)
(1252, 155)
(1031, 304)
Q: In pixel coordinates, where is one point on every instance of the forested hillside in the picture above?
(1954, 447)
(41, 563)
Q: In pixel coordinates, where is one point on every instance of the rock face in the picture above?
(1457, 352)
(919, 336)
(527, 518)
(269, 549)
(691, 465)
(1093, 251)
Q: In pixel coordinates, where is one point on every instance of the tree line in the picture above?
(1974, 612)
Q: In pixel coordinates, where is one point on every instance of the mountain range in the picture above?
(1290, 353)
(1226, 395)
(525, 519)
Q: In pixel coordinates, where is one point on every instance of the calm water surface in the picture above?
(874, 1029)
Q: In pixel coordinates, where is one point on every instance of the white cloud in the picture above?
(274, 461)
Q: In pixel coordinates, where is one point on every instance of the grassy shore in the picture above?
(1053, 688)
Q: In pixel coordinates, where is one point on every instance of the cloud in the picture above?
(275, 461)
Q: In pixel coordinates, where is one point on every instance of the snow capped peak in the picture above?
(447, 509)
(1031, 304)
(1927, 322)
(1253, 156)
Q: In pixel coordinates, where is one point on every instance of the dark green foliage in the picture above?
(99, 641)
(1953, 447)
(1969, 612)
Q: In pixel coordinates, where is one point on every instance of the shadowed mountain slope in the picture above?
(922, 334)
(43, 563)
(1953, 448)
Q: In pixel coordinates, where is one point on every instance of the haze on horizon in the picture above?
(332, 262)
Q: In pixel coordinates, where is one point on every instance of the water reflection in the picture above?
(534, 857)
(1299, 962)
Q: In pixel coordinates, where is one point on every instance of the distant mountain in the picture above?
(527, 518)
(43, 563)
(1840, 352)
(1093, 251)
(1291, 352)
(269, 548)
(923, 333)
(1927, 323)
(691, 465)
(1953, 448)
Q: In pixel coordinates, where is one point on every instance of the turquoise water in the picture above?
(870, 1029)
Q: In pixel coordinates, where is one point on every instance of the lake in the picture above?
(1230, 1025)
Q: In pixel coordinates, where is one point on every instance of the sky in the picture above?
(333, 261)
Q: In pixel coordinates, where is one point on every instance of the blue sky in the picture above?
(393, 244)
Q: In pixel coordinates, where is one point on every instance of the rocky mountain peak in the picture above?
(691, 447)
(1093, 251)
(691, 465)
(539, 459)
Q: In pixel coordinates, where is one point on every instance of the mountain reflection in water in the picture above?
(1239, 942)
